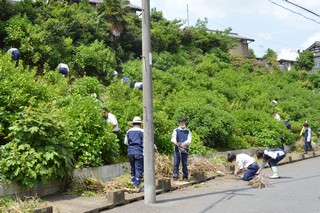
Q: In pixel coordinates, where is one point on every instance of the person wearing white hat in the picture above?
(134, 141)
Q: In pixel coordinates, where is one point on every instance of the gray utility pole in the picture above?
(149, 173)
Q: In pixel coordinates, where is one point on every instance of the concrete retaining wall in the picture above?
(42, 190)
(103, 173)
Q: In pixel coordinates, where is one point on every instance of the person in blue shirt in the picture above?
(181, 138)
(272, 157)
(16, 54)
(134, 141)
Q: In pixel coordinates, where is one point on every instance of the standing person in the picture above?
(272, 157)
(244, 162)
(15, 55)
(181, 137)
(111, 118)
(307, 137)
(63, 69)
(134, 141)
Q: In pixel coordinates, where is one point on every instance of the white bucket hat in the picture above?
(136, 120)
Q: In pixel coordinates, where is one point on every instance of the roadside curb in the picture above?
(120, 197)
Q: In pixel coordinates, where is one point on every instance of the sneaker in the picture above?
(185, 179)
(175, 178)
(137, 182)
(274, 176)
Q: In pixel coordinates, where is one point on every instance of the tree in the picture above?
(113, 12)
(95, 60)
(164, 33)
(305, 61)
(252, 53)
(271, 58)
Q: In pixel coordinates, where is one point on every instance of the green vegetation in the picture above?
(50, 124)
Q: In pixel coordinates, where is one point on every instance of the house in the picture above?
(241, 47)
(285, 64)
(315, 48)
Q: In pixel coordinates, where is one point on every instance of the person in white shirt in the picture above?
(246, 164)
(63, 69)
(111, 118)
(277, 116)
(138, 85)
(272, 157)
(307, 133)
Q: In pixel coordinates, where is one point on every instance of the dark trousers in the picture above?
(307, 146)
(136, 163)
(183, 157)
(16, 57)
(274, 162)
(251, 172)
(64, 71)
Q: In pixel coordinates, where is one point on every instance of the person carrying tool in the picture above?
(181, 137)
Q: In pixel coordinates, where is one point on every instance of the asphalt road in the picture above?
(297, 191)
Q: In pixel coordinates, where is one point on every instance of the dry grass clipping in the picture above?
(20, 206)
(205, 165)
(163, 166)
(258, 182)
(121, 182)
(201, 165)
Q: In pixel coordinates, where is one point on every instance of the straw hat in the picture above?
(136, 120)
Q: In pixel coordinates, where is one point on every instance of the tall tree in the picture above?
(305, 61)
(271, 58)
(113, 12)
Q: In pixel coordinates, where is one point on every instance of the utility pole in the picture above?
(187, 16)
(148, 139)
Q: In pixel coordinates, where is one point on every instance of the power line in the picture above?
(302, 8)
(293, 11)
(257, 37)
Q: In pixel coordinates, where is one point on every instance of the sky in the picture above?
(274, 24)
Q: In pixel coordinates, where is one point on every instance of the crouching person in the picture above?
(245, 164)
(272, 157)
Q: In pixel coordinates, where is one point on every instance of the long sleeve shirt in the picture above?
(181, 136)
(134, 140)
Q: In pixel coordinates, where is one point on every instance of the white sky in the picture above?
(271, 26)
